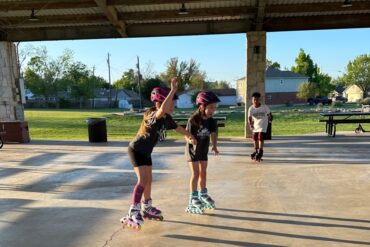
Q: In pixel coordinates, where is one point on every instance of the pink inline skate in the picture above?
(133, 219)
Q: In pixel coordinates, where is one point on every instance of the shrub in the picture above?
(289, 103)
(366, 101)
(336, 104)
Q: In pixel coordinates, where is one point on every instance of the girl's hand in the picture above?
(215, 150)
(192, 140)
(174, 84)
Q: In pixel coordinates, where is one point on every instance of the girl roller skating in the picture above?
(156, 120)
(259, 117)
(204, 128)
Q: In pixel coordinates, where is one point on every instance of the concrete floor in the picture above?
(309, 191)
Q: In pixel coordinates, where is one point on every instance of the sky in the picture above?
(222, 57)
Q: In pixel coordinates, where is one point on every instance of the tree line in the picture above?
(46, 77)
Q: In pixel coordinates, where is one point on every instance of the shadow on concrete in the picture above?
(66, 229)
(11, 204)
(271, 233)
(103, 186)
(7, 172)
(217, 241)
(77, 143)
(293, 215)
(292, 222)
(42, 159)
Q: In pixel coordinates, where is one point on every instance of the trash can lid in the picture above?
(95, 119)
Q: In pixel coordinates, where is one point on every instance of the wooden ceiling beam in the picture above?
(14, 22)
(317, 22)
(112, 16)
(260, 15)
(316, 7)
(149, 2)
(37, 5)
(170, 14)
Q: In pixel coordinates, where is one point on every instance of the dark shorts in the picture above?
(258, 136)
(196, 156)
(138, 159)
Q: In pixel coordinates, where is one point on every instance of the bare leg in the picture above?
(194, 168)
(148, 184)
(203, 175)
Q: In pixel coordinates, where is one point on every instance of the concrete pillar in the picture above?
(256, 67)
(11, 108)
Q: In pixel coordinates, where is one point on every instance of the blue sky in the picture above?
(223, 57)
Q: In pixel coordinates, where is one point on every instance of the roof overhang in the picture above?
(93, 19)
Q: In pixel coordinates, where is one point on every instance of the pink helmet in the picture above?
(206, 98)
(159, 94)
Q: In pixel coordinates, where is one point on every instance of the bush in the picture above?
(319, 105)
(64, 103)
(366, 101)
(289, 103)
(336, 104)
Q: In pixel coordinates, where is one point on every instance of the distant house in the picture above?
(227, 97)
(354, 93)
(184, 100)
(338, 91)
(118, 97)
(281, 87)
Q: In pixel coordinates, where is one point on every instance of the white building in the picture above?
(227, 97)
(281, 87)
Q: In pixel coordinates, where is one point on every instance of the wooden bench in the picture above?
(182, 121)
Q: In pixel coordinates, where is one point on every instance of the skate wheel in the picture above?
(138, 228)
(161, 218)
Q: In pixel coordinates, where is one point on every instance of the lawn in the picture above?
(71, 124)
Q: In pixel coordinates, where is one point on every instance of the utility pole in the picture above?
(138, 76)
(93, 94)
(110, 85)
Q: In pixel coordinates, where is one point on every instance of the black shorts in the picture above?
(138, 159)
(258, 136)
(196, 156)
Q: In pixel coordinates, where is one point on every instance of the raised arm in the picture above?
(167, 102)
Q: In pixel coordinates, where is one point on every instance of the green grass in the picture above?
(71, 124)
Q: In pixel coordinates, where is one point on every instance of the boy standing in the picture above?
(258, 118)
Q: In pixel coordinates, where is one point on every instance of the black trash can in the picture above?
(267, 135)
(97, 129)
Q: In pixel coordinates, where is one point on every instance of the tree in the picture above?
(358, 73)
(323, 85)
(306, 90)
(148, 85)
(271, 64)
(82, 83)
(43, 74)
(217, 85)
(127, 81)
(187, 73)
(305, 65)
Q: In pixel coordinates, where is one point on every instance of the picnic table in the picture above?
(183, 121)
(334, 118)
